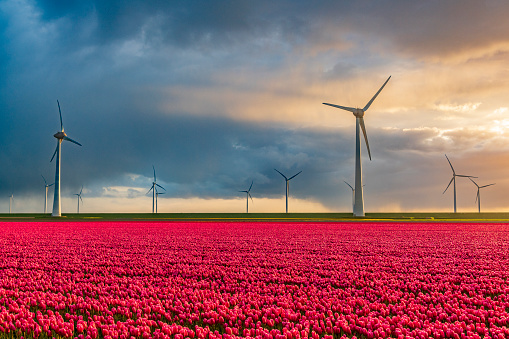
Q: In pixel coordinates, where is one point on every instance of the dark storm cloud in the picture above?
(196, 156)
(205, 157)
(180, 22)
(430, 28)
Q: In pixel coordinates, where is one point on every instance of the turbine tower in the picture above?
(358, 209)
(248, 195)
(478, 197)
(11, 202)
(57, 207)
(79, 198)
(46, 186)
(157, 194)
(453, 179)
(287, 185)
(154, 191)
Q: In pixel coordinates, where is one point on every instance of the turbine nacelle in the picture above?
(60, 135)
(358, 112)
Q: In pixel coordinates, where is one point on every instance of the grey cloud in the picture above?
(193, 157)
(419, 29)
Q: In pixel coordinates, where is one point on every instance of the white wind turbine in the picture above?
(478, 196)
(57, 207)
(11, 202)
(79, 198)
(453, 179)
(358, 208)
(154, 191)
(353, 194)
(248, 195)
(46, 186)
(287, 185)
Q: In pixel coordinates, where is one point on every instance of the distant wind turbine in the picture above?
(478, 196)
(154, 191)
(248, 195)
(353, 194)
(11, 202)
(358, 209)
(453, 179)
(46, 186)
(79, 198)
(287, 185)
(57, 208)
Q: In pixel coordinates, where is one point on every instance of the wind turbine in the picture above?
(287, 185)
(154, 191)
(79, 198)
(453, 179)
(157, 194)
(57, 207)
(478, 197)
(248, 195)
(11, 202)
(46, 186)
(353, 194)
(358, 208)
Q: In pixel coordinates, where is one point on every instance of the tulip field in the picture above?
(253, 279)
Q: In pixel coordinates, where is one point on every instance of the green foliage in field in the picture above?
(322, 217)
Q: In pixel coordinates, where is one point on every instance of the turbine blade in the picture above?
(81, 199)
(465, 176)
(81, 190)
(51, 185)
(54, 153)
(161, 187)
(69, 139)
(281, 174)
(348, 185)
(374, 97)
(250, 186)
(45, 183)
(476, 196)
(151, 188)
(473, 182)
(154, 173)
(243, 191)
(449, 184)
(250, 196)
(60, 112)
(486, 185)
(294, 176)
(159, 193)
(349, 109)
(361, 121)
(454, 173)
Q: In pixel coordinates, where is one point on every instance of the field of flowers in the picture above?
(266, 280)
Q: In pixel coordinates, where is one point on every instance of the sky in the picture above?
(217, 94)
